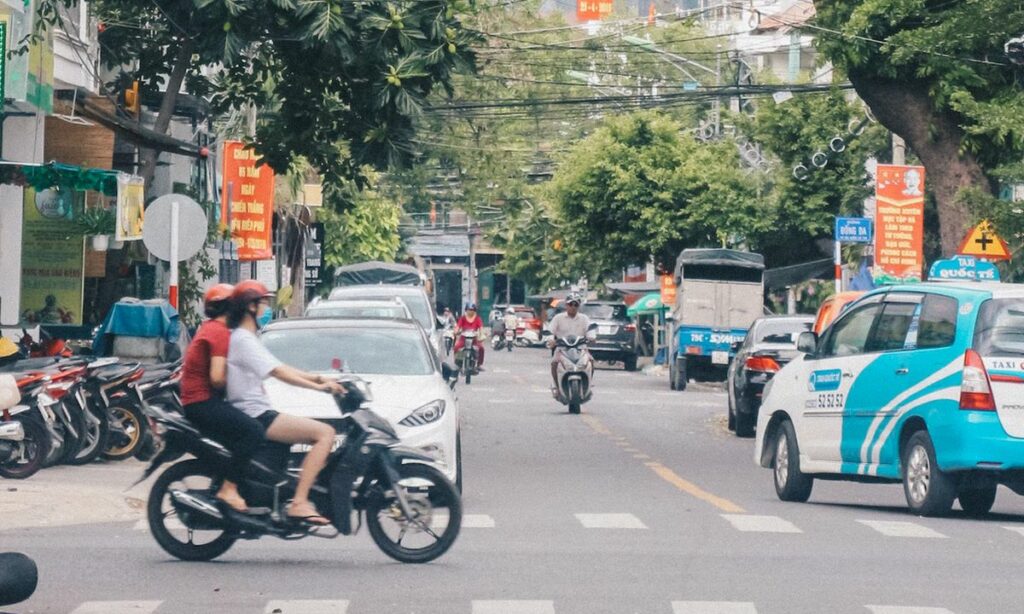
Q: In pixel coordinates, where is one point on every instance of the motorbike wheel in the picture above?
(35, 448)
(97, 434)
(169, 532)
(73, 444)
(432, 499)
(469, 375)
(575, 394)
(127, 434)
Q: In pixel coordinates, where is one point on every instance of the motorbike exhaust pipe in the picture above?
(197, 504)
(12, 431)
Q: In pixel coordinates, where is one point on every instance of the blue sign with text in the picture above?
(963, 268)
(853, 230)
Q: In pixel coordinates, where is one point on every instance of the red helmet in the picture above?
(249, 291)
(218, 293)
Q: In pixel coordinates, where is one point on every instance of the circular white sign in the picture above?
(192, 224)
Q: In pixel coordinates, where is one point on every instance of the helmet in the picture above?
(573, 297)
(7, 347)
(471, 307)
(249, 291)
(217, 293)
(510, 310)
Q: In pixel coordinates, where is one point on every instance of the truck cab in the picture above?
(720, 292)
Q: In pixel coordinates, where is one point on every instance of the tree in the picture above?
(366, 229)
(935, 73)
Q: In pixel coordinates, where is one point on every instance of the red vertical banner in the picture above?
(899, 224)
(252, 201)
(668, 291)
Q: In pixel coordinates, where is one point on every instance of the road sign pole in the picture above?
(173, 290)
(839, 266)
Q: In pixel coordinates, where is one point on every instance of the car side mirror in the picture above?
(592, 327)
(448, 372)
(807, 342)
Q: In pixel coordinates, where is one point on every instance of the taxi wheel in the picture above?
(791, 484)
(977, 501)
(929, 490)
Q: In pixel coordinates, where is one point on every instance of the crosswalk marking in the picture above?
(900, 528)
(610, 521)
(117, 607)
(905, 609)
(306, 606)
(713, 607)
(761, 524)
(477, 521)
(513, 607)
(501, 401)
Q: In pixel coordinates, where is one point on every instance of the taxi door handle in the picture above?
(847, 374)
(902, 371)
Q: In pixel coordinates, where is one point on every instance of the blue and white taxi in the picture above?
(921, 384)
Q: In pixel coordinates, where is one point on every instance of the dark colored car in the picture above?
(769, 345)
(616, 333)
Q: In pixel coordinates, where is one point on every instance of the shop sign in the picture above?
(668, 291)
(590, 10)
(130, 209)
(52, 260)
(899, 224)
(251, 199)
(314, 265)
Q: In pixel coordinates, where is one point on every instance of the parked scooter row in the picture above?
(72, 411)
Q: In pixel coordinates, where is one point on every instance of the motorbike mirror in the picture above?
(18, 577)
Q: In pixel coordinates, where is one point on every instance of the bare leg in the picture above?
(293, 429)
(554, 374)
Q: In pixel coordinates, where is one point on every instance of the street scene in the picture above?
(511, 306)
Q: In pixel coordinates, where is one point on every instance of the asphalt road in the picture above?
(644, 503)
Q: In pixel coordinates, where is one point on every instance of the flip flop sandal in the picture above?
(309, 520)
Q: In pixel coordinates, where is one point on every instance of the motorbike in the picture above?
(528, 337)
(449, 339)
(413, 512)
(575, 370)
(467, 356)
(25, 437)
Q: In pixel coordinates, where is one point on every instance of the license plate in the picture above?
(604, 330)
(719, 358)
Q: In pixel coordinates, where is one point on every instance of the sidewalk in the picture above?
(63, 495)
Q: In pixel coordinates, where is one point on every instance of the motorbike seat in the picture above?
(114, 373)
(29, 364)
(153, 375)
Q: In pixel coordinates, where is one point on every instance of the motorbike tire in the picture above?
(155, 516)
(73, 444)
(443, 491)
(96, 436)
(575, 394)
(37, 442)
(469, 376)
(121, 446)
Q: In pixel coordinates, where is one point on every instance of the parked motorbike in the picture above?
(528, 337)
(575, 370)
(23, 421)
(412, 511)
(467, 357)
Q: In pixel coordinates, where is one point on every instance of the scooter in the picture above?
(449, 339)
(467, 357)
(575, 370)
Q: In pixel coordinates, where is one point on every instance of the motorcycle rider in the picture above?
(447, 319)
(203, 378)
(249, 363)
(570, 323)
(510, 320)
(470, 321)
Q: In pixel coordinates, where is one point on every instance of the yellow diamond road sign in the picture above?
(983, 242)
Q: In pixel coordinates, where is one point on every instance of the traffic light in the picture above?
(131, 99)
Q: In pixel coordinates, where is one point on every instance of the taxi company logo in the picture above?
(1007, 364)
(825, 380)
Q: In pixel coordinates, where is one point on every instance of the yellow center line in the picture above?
(667, 474)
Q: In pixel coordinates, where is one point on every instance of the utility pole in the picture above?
(899, 149)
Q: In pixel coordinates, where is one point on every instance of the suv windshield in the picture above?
(604, 312)
(383, 351)
(1000, 328)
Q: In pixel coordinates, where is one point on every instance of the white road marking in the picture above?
(761, 524)
(905, 609)
(899, 528)
(1018, 530)
(483, 389)
(513, 607)
(306, 606)
(477, 521)
(713, 607)
(117, 607)
(610, 521)
(501, 371)
(501, 401)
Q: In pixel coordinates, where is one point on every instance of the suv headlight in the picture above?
(431, 412)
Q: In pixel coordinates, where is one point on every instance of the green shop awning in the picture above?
(648, 303)
(44, 176)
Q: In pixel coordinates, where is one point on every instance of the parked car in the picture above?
(832, 307)
(414, 297)
(354, 308)
(616, 333)
(407, 380)
(920, 384)
(770, 345)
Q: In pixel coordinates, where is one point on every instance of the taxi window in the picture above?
(937, 327)
(849, 335)
(1000, 328)
(891, 331)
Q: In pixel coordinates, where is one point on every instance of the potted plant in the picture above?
(98, 224)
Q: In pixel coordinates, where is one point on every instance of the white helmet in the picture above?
(510, 310)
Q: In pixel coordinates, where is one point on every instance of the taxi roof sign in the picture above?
(983, 242)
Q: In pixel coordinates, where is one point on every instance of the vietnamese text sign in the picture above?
(589, 10)
(52, 259)
(668, 291)
(853, 230)
(252, 201)
(899, 224)
(130, 209)
(314, 266)
(961, 268)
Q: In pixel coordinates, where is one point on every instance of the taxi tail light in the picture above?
(975, 388)
(766, 364)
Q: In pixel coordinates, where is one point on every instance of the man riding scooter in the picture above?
(570, 323)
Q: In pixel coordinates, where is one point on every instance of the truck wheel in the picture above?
(929, 490)
(681, 373)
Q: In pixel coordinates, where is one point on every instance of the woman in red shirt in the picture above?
(203, 378)
(470, 321)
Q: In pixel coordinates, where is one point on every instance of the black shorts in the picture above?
(266, 418)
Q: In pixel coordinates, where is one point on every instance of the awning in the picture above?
(783, 277)
(650, 303)
(44, 176)
(439, 245)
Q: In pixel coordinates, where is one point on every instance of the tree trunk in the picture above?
(148, 156)
(905, 108)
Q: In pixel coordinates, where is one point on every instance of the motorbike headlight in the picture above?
(431, 412)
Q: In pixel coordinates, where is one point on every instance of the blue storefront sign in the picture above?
(853, 230)
(963, 268)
